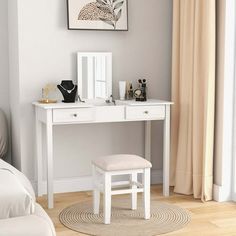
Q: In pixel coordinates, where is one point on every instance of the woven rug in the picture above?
(125, 222)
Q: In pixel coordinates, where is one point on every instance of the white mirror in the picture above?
(94, 75)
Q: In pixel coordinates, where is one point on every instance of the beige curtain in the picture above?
(193, 92)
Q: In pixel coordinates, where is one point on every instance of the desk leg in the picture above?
(148, 140)
(166, 152)
(39, 154)
(49, 134)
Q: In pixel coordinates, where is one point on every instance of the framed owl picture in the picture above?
(98, 15)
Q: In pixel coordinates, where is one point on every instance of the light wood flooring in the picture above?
(208, 219)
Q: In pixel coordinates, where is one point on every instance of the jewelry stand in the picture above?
(68, 90)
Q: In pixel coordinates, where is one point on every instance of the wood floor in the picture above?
(208, 219)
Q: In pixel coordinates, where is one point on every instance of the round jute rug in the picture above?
(125, 222)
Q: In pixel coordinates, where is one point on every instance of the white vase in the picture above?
(122, 89)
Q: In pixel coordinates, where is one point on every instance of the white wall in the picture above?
(233, 186)
(220, 66)
(47, 53)
(4, 82)
(224, 161)
(14, 82)
(4, 76)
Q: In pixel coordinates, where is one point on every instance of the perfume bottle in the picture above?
(141, 92)
(144, 90)
(130, 92)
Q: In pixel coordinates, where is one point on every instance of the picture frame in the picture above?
(108, 15)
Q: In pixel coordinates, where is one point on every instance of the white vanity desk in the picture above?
(81, 113)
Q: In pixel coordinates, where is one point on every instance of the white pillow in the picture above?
(14, 199)
(17, 197)
(20, 177)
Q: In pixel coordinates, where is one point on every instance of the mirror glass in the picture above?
(94, 75)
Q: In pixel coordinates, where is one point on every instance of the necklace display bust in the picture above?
(68, 90)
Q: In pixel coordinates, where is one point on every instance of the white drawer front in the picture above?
(110, 113)
(145, 112)
(73, 115)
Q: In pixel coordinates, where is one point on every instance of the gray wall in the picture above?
(47, 53)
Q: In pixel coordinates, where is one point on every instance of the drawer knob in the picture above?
(146, 112)
(75, 115)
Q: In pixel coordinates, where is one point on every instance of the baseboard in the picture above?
(234, 197)
(221, 194)
(84, 183)
(216, 192)
(68, 185)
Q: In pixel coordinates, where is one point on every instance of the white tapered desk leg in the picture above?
(49, 135)
(146, 193)
(148, 140)
(38, 133)
(166, 152)
(96, 191)
(134, 178)
(107, 198)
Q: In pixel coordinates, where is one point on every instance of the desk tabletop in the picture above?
(149, 102)
(61, 105)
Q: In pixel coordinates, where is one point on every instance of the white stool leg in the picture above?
(133, 178)
(107, 198)
(146, 193)
(96, 192)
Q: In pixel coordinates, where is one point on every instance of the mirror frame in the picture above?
(79, 72)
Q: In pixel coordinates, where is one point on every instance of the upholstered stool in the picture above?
(115, 165)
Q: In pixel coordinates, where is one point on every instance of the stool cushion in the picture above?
(121, 162)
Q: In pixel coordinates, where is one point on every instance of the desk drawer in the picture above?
(73, 115)
(145, 112)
